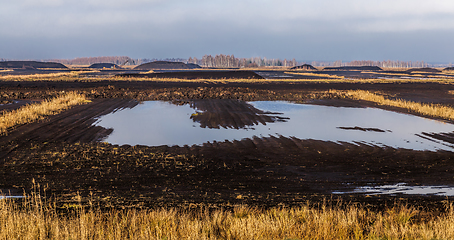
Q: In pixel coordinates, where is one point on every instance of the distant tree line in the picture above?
(383, 64)
(230, 61)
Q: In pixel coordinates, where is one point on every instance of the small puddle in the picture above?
(155, 123)
(402, 188)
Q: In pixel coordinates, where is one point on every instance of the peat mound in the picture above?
(353, 68)
(104, 65)
(193, 65)
(30, 64)
(163, 65)
(429, 70)
(306, 67)
(199, 75)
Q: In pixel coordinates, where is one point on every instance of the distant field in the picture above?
(267, 187)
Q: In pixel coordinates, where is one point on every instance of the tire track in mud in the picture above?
(73, 125)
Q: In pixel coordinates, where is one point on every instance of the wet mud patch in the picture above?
(74, 125)
(260, 171)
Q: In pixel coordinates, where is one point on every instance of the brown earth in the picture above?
(62, 152)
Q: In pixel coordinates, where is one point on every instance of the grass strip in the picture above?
(33, 112)
(35, 218)
(431, 110)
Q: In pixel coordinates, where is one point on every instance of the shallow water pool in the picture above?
(155, 123)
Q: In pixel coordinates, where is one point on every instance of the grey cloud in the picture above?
(308, 29)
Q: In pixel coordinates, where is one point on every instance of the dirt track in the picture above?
(60, 153)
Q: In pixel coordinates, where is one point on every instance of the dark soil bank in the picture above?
(360, 68)
(104, 65)
(163, 65)
(30, 64)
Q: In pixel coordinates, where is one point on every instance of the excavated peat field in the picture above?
(63, 153)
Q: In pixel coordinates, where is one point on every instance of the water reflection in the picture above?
(160, 123)
(230, 114)
(402, 188)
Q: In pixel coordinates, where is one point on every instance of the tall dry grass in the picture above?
(431, 110)
(34, 112)
(47, 76)
(38, 219)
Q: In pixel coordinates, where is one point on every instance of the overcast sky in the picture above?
(408, 30)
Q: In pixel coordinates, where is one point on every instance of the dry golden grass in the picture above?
(431, 110)
(315, 74)
(35, 218)
(47, 76)
(34, 112)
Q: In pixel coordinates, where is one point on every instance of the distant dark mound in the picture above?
(104, 65)
(200, 75)
(354, 68)
(193, 65)
(429, 70)
(449, 69)
(162, 65)
(30, 64)
(306, 67)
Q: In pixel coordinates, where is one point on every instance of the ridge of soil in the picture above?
(430, 70)
(31, 64)
(350, 68)
(304, 67)
(104, 65)
(162, 65)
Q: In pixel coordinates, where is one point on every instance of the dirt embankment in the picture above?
(353, 68)
(31, 64)
(104, 65)
(163, 65)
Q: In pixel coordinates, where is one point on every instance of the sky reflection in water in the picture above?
(155, 123)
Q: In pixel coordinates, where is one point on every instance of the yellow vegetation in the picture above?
(34, 112)
(431, 110)
(315, 74)
(37, 219)
(47, 76)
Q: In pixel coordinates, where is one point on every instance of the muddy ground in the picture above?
(63, 153)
